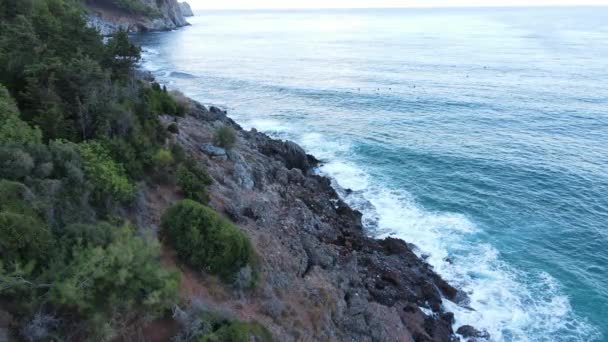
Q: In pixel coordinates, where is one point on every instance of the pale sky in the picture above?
(252, 4)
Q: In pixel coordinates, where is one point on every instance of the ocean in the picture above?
(480, 135)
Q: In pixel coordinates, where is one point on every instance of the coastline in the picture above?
(268, 187)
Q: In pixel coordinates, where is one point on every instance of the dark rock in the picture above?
(290, 153)
(471, 334)
(216, 110)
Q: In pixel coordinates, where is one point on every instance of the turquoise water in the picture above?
(480, 135)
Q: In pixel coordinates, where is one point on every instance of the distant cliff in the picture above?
(186, 9)
(135, 15)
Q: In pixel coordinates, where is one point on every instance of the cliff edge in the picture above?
(186, 9)
(108, 16)
(321, 276)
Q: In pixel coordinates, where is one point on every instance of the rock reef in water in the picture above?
(322, 277)
(161, 15)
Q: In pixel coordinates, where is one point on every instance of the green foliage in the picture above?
(115, 281)
(136, 7)
(163, 158)
(76, 131)
(12, 128)
(88, 235)
(236, 331)
(173, 128)
(198, 323)
(159, 101)
(225, 137)
(23, 238)
(107, 176)
(194, 180)
(121, 55)
(206, 240)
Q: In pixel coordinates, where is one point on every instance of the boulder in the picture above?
(213, 151)
(472, 335)
(290, 153)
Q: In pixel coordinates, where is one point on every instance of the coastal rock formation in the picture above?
(108, 16)
(186, 9)
(321, 277)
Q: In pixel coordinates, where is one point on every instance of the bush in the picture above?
(172, 128)
(225, 137)
(23, 239)
(199, 323)
(205, 240)
(163, 158)
(12, 128)
(115, 283)
(16, 198)
(105, 174)
(194, 181)
(88, 235)
(16, 163)
(236, 331)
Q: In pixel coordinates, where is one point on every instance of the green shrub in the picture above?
(158, 101)
(179, 155)
(115, 283)
(12, 128)
(236, 331)
(199, 324)
(16, 198)
(172, 128)
(136, 7)
(193, 180)
(88, 235)
(15, 162)
(105, 174)
(225, 137)
(163, 158)
(205, 240)
(23, 238)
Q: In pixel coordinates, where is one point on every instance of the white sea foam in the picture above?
(510, 304)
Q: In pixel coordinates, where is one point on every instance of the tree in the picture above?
(115, 282)
(12, 128)
(121, 55)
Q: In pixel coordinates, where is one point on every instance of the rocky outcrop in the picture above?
(159, 15)
(321, 276)
(186, 9)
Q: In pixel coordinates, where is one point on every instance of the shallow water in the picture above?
(480, 135)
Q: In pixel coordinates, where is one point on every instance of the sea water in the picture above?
(479, 135)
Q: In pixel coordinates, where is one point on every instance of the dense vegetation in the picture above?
(130, 6)
(79, 135)
(206, 240)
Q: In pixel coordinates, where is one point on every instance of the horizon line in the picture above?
(399, 7)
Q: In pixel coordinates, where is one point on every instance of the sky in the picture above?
(253, 4)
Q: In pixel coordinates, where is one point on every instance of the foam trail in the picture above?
(511, 305)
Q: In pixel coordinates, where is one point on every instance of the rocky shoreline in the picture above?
(322, 277)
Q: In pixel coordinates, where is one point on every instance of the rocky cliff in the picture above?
(186, 9)
(109, 16)
(322, 278)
